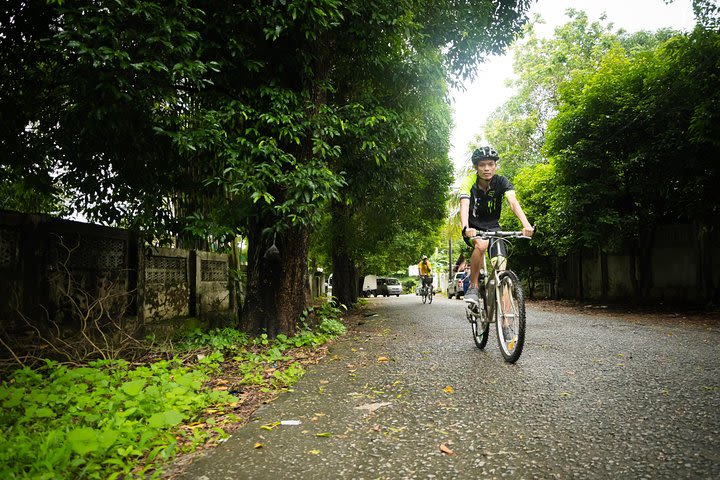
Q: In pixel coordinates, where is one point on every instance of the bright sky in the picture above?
(488, 91)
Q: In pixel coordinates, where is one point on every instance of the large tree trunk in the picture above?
(275, 295)
(345, 288)
(277, 284)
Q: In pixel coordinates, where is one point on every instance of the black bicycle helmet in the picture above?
(484, 153)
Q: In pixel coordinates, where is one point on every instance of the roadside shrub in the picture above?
(98, 421)
(217, 339)
(114, 419)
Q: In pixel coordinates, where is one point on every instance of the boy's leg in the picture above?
(476, 262)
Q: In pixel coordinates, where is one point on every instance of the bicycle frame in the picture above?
(500, 285)
(426, 290)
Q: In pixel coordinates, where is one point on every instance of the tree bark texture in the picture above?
(345, 288)
(275, 295)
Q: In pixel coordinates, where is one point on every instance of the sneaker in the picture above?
(471, 296)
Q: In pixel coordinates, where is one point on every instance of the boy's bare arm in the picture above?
(518, 211)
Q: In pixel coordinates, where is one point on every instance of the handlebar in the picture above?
(500, 234)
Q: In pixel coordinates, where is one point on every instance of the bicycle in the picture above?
(426, 292)
(500, 297)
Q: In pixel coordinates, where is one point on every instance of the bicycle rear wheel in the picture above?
(510, 316)
(430, 295)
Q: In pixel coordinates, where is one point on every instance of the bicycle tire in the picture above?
(424, 296)
(430, 295)
(511, 348)
(480, 337)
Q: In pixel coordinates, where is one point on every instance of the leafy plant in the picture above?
(217, 339)
(103, 420)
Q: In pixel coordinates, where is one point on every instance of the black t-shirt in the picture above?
(485, 206)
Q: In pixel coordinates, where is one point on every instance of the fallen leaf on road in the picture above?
(270, 426)
(323, 434)
(444, 449)
(314, 452)
(371, 407)
(376, 428)
(258, 445)
(449, 389)
(382, 359)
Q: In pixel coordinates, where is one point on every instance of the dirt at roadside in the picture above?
(657, 313)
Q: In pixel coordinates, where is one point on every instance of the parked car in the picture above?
(382, 289)
(388, 286)
(455, 286)
(393, 287)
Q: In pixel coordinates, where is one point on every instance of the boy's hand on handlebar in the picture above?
(470, 232)
(528, 232)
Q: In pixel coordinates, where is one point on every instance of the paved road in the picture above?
(591, 397)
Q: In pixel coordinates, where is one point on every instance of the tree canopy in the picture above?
(211, 119)
(612, 133)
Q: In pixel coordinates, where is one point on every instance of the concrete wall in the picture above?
(53, 272)
(676, 267)
(212, 295)
(167, 284)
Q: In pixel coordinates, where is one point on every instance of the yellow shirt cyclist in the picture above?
(424, 267)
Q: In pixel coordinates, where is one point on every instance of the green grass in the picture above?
(113, 419)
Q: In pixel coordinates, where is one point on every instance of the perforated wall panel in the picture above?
(166, 270)
(213, 271)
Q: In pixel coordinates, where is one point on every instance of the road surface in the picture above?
(406, 394)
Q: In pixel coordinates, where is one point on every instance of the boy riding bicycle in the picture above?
(480, 206)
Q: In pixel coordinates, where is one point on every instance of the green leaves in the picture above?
(166, 419)
(83, 440)
(134, 387)
(64, 428)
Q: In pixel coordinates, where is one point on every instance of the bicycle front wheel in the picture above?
(480, 329)
(424, 296)
(430, 295)
(510, 316)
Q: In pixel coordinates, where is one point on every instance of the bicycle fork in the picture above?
(484, 311)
